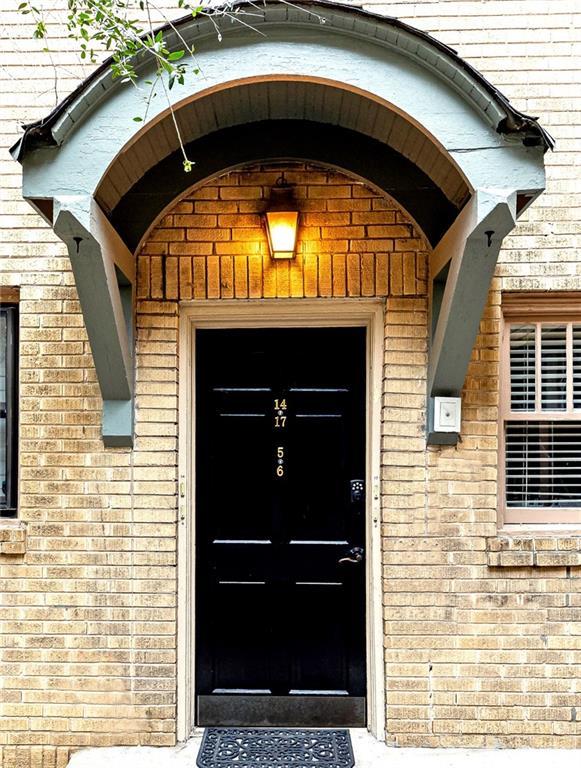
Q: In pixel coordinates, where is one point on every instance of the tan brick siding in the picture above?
(483, 646)
(352, 242)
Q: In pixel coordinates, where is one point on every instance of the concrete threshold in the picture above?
(369, 753)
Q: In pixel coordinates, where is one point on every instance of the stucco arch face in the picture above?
(394, 106)
(279, 97)
(244, 121)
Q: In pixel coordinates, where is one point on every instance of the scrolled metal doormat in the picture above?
(275, 748)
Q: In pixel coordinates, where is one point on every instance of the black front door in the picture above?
(280, 575)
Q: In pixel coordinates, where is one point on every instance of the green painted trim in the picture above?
(107, 306)
(475, 245)
(96, 280)
(381, 65)
(117, 429)
(443, 438)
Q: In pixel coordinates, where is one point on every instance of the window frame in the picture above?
(10, 308)
(534, 309)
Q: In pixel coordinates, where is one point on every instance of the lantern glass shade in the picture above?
(282, 228)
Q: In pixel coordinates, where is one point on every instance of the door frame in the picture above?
(279, 313)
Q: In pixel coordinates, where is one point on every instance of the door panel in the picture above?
(317, 448)
(242, 664)
(239, 447)
(280, 434)
(316, 615)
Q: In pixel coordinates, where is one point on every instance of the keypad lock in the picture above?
(357, 491)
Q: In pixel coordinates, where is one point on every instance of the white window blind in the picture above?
(522, 367)
(553, 367)
(543, 464)
(576, 367)
(542, 417)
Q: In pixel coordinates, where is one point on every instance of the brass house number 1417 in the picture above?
(279, 423)
(279, 418)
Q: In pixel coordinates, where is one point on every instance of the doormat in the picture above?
(275, 748)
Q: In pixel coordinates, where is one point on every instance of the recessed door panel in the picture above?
(238, 467)
(238, 619)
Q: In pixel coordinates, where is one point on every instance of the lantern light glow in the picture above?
(282, 221)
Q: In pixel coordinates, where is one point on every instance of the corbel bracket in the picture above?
(469, 252)
(104, 274)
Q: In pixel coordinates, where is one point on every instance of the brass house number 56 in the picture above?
(280, 461)
(280, 417)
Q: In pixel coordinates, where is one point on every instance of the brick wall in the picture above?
(482, 643)
(352, 242)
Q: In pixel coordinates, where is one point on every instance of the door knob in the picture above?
(355, 555)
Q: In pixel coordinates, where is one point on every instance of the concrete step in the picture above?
(369, 753)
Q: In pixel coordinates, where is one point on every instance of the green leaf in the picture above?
(138, 119)
(176, 56)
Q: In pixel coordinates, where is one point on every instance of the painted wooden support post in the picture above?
(104, 274)
(471, 247)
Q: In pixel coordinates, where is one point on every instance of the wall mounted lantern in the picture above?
(282, 220)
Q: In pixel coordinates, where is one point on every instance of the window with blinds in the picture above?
(541, 420)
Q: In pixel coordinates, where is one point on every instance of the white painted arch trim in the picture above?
(367, 313)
